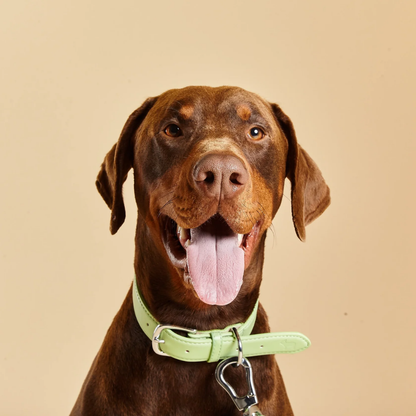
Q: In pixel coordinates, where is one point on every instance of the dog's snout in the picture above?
(220, 176)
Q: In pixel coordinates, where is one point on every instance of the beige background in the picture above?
(71, 73)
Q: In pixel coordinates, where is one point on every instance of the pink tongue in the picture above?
(216, 263)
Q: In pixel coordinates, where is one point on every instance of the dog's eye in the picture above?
(256, 133)
(173, 130)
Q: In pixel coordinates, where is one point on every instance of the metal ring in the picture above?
(240, 346)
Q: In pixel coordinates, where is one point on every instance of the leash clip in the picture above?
(156, 334)
(247, 403)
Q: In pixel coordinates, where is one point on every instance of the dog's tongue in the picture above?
(215, 262)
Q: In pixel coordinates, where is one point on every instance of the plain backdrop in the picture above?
(344, 71)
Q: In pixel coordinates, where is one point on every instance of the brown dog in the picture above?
(209, 167)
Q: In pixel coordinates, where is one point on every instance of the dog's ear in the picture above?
(310, 193)
(116, 165)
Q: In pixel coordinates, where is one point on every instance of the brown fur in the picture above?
(127, 377)
(187, 111)
(243, 112)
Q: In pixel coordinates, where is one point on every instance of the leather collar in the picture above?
(216, 344)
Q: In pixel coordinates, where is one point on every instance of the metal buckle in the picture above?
(158, 330)
(247, 403)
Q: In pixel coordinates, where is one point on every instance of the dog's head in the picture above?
(209, 169)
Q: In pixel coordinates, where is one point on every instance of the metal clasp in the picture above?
(249, 401)
(156, 334)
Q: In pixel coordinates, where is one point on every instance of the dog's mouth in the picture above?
(213, 257)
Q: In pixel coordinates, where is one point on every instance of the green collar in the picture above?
(216, 344)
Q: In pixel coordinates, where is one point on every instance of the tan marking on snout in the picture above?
(223, 146)
(186, 111)
(243, 112)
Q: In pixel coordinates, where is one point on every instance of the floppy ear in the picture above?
(116, 165)
(310, 193)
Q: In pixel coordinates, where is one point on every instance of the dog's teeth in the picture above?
(240, 239)
(187, 277)
(187, 243)
(181, 232)
(184, 234)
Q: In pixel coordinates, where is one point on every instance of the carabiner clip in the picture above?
(244, 404)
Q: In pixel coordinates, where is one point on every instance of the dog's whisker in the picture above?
(273, 231)
(167, 193)
(265, 215)
(167, 203)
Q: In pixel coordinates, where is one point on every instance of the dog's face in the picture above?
(209, 169)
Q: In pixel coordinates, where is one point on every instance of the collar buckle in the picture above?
(156, 341)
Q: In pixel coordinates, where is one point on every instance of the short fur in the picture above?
(127, 377)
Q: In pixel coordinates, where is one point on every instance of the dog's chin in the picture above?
(211, 257)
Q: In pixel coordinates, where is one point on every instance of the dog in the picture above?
(209, 168)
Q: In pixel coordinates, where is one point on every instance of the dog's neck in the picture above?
(171, 302)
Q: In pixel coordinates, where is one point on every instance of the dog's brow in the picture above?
(186, 111)
(243, 112)
(173, 109)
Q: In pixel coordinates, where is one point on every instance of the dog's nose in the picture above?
(220, 176)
